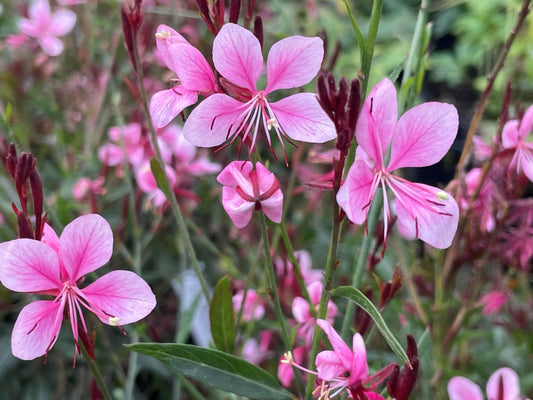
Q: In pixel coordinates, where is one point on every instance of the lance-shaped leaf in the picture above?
(216, 368)
(362, 301)
(221, 316)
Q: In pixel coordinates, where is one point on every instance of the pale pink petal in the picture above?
(164, 38)
(121, 294)
(237, 56)
(301, 118)
(300, 309)
(273, 206)
(50, 237)
(359, 370)
(377, 121)
(526, 161)
(51, 45)
(165, 105)
(239, 210)
(29, 27)
(460, 388)
(343, 352)
(293, 62)
(511, 387)
(36, 329)
(329, 365)
(193, 71)
(357, 192)
(423, 135)
(265, 178)
(62, 22)
(510, 135)
(426, 212)
(237, 173)
(85, 245)
(39, 10)
(28, 265)
(128, 134)
(314, 290)
(527, 123)
(110, 154)
(213, 121)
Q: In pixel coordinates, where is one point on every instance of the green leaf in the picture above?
(362, 301)
(213, 367)
(221, 316)
(162, 183)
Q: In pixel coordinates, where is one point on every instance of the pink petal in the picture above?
(293, 62)
(423, 135)
(122, 294)
(51, 45)
(511, 387)
(373, 396)
(329, 365)
(62, 22)
(239, 210)
(165, 37)
(213, 121)
(526, 161)
(527, 123)
(39, 11)
(357, 192)
(314, 290)
(237, 173)
(301, 118)
(377, 121)
(110, 154)
(273, 206)
(359, 369)
(190, 65)
(36, 329)
(28, 265)
(343, 352)
(265, 178)
(426, 212)
(85, 245)
(460, 388)
(29, 27)
(237, 56)
(510, 135)
(300, 309)
(50, 237)
(167, 104)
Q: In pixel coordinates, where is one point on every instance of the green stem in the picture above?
(366, 63)
(170, 196)
(95, 371)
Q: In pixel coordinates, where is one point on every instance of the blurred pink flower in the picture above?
(285, 372)
(255, 352)
(502, 385)
(334, 365)
(292, 62)
(514, 138)
(195, 76)
(147, 183)
(47, 26)
(55, 266)
(493, 301)
(84, 186)
(421, 137)
(246, 190)
(253, 308)
(71, 2)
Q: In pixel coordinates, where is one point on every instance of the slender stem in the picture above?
(375, 17)
(171, 196)
(95, 371)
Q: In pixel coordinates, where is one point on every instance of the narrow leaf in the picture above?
(215, 368)
(362, 301)
(162, 183)
(221, 316)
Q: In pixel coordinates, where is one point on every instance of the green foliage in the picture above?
(221, 316)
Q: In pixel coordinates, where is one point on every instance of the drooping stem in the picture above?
(93, 367)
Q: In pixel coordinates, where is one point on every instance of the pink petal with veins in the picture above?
(165, 105)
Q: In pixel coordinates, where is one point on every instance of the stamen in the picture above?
(163, 35)
(442, 195)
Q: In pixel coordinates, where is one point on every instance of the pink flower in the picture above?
(333, 365)
(246, 190)
(420, 138)
(493, 301)
(85, 186)
(253, 308)
(56, 266)
(195, 76)
(285, 372)
(255, 352)
(514, 137)
(146, 182)
(47, 26)
(502, 385)
(292, 62)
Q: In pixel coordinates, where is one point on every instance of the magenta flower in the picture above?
(420, 138)
(253, 308)
(514, 138)
(246, 190)
(502, 385)
(493, 301)
(344, 368)
(56, 266)
(47, 26)
(195, 76)
(292, 62)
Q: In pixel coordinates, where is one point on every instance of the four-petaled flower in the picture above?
(56, 266)
(194, 76)
(420, 138)
(502, 385)
(292, 62)
(47, 26)
(246, 190)
(514, 137)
